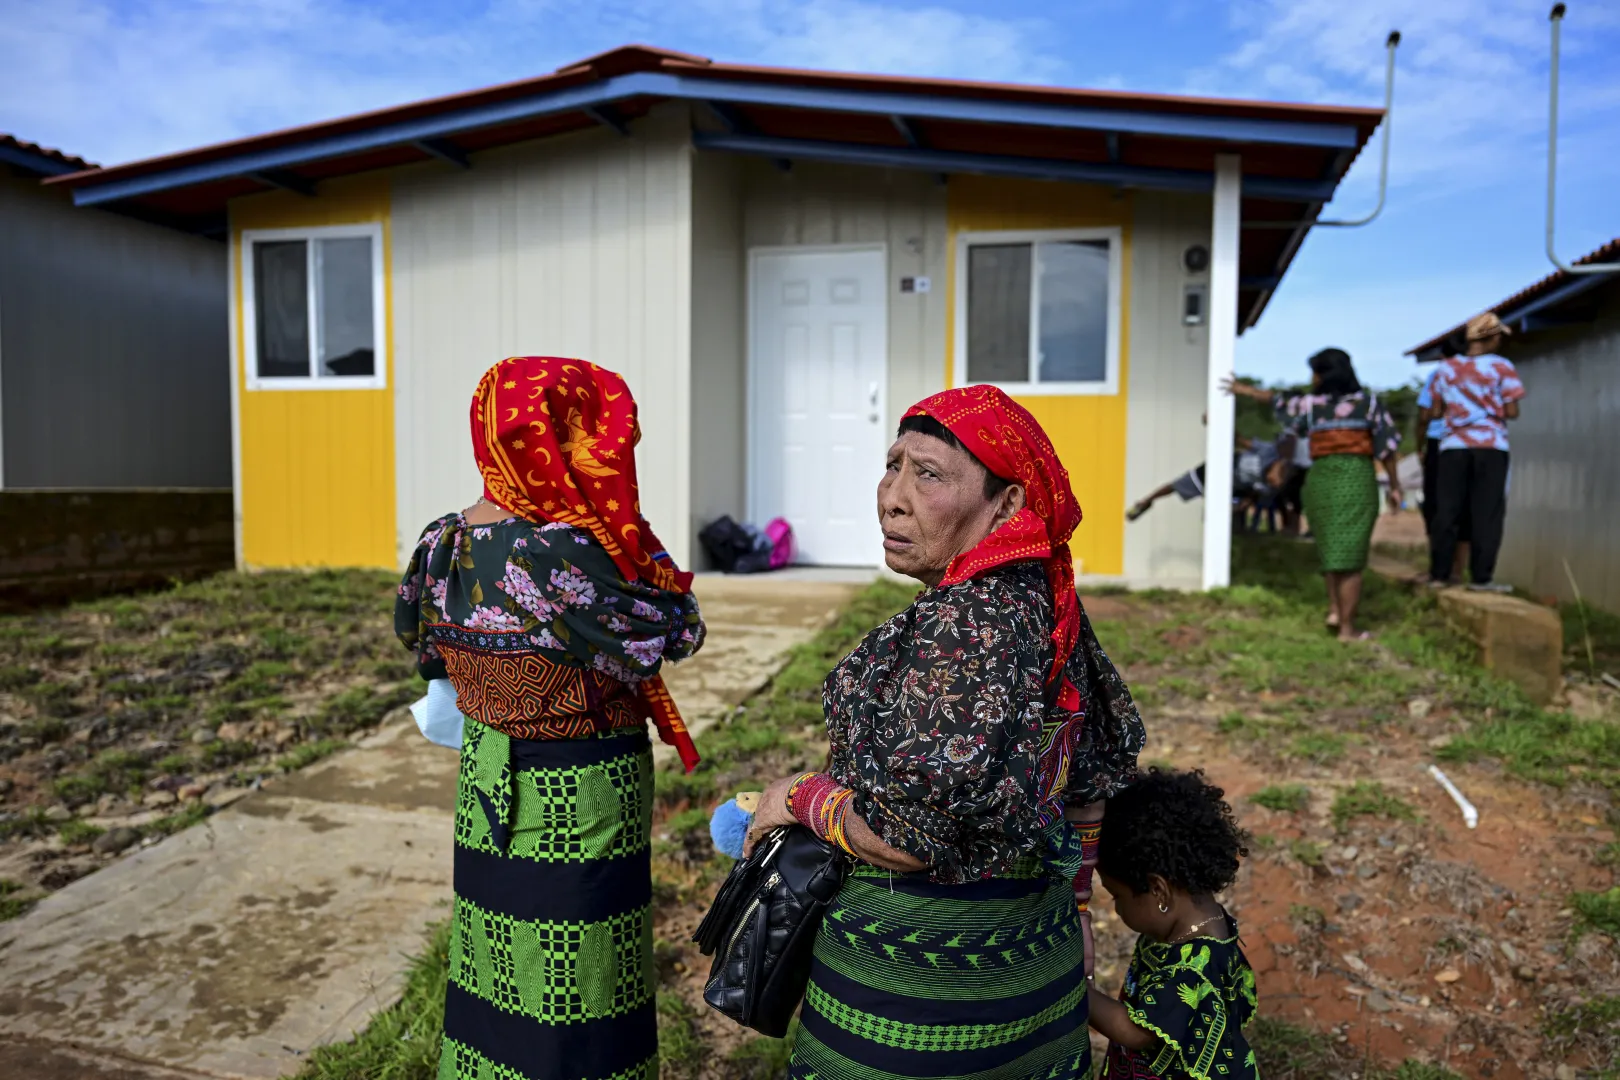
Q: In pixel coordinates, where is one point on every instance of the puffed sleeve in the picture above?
(1112, 734)
(1188, 1015)
(1386, 437)
(949, 775)
(415, 599)
(1293, 412)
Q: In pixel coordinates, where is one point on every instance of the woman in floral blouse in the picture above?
(1347, 427)
(550, 607)
(960, 732)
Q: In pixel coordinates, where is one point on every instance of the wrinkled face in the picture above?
(932, 506)
(1140, 911)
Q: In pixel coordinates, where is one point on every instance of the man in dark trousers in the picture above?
(1475, 394)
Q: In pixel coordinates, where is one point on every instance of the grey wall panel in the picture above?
(1564, 501)
(114, 359)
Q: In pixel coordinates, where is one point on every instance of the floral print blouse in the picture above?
(1355, 423)
(535, 627)
(942, 722)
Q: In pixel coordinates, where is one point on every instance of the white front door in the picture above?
(819, 371)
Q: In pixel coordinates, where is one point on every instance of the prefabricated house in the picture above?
(113, 341)
(780, 262)
(1563, 518)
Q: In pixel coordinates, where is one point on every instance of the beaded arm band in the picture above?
(1090, 835)
(821, 804)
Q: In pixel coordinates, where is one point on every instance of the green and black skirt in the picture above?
(912, 979)
(1341, 503)
(551, 949)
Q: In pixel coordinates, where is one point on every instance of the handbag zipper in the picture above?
(748, 915)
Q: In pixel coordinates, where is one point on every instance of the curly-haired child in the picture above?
(1168, 845)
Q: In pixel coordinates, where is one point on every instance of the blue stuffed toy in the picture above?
(729, 825)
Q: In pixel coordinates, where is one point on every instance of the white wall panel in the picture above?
(1167, 375)
(572, 246)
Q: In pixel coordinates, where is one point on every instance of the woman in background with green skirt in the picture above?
(1347, 427)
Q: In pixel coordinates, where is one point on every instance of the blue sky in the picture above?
(113, 81)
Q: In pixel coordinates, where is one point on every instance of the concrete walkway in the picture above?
(285, 921)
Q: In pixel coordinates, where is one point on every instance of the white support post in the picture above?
(1222, 424)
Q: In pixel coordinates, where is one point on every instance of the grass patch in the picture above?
(310, 753)
(403, 1042)
(762, 1058)
(11, 905)
(74, 833)
(1598, 911)
(177, 822)
(1318, 747)
(1277, 584)
(682, 1051)
(1308, 852)
(1287, 1051)
(1367, 798)
(1593, 1026)
(1291, 798)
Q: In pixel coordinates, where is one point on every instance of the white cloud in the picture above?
(1471, 83)
(113, 81)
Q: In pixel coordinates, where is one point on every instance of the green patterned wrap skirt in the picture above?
(551, 949)
(1341, 503)
(912, 979)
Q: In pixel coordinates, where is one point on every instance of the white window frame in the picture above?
(378, 379)
(1109, 385)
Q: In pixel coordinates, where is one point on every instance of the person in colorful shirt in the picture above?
(965, 735)
(1474, 396)
(551, 608)
(1171, 845)
(1434, 430)
(1347, 427)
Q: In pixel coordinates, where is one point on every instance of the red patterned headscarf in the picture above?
(1011, 443)
(555, 440)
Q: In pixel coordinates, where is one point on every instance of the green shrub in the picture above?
(1291, 798)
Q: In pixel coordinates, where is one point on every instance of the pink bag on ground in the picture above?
(780, 534)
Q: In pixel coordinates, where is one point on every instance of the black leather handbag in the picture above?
(762, 927)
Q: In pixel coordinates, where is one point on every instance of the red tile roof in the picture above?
(1609, 252)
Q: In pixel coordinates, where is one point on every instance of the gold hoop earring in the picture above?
(1164, 909)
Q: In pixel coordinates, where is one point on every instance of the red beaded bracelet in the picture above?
(821, 804)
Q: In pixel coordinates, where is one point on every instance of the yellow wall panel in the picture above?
(317, 466)
(1088, 431)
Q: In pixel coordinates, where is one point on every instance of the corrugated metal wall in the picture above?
(1168, 360)
(1564, 502)
(114, 355)
(575, 246)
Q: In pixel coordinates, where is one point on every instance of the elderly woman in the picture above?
(961, 729)
(1347, 427)
(550, 606)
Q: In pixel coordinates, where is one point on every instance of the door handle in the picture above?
(872, 395)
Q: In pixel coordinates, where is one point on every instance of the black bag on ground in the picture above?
(762, 928)
(726, 542)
